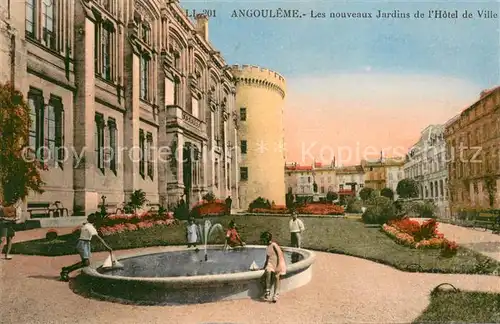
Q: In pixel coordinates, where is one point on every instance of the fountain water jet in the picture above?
(206, 231)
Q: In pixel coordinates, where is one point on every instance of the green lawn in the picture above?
(337, 235)
(462, 307)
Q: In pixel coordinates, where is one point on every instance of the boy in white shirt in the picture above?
(296, 228)
(87, 231)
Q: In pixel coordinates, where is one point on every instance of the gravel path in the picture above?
(343, 290)
(477, 240)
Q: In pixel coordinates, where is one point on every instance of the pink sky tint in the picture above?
(353, 116)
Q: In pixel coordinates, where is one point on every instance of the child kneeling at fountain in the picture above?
(233, 238)
(87, 231)
(274, 266)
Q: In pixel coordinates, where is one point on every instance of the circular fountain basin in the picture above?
(184, 277)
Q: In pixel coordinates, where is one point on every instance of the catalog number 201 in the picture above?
(192, 13)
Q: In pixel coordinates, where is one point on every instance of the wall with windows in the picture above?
(51, 113)
(107, 77)
(426, 164)
(147, 176)
(5, 43)
(109, 156)
(473, 162)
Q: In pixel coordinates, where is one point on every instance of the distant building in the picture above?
(350, 180)
(383, 173)
(426, 164)
(473, 142)
(341, 180)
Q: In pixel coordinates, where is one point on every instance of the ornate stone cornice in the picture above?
(87, 8)
(256, 82)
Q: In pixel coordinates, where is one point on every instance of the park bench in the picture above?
(154, 207)
(39, 209)
(111, 208)
(487, 220)
(56, 209)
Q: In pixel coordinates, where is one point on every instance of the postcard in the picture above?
(166, 161)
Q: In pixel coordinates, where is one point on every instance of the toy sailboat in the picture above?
(254, 266)
(111, 263)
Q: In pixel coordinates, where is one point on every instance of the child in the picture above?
(274, 266)
(192, 233)
(8, 217)
(87, 231)
(233, 237)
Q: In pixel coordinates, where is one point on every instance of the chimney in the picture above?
(202, 25)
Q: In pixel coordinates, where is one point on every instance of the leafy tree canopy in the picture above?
(19, 170)
(407, 188)
(366, 193)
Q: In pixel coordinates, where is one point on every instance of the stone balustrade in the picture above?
(177, 117)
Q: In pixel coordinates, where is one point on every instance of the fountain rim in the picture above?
(309, 257)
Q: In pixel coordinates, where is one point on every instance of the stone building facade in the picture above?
(426, 164)
(260, 95)
(343, 180)
(124, 95)
(383, 173)
(473, 142)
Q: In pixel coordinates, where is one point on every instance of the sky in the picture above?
(356, 87)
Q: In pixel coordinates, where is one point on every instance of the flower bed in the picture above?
(209, 208)
(311, 209)
(410, 233)
(113, 220)
(114, 224)
(321, 209)
(129, 227)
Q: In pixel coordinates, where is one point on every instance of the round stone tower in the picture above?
(260, 95)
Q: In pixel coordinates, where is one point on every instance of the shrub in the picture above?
(51, 235)
(137, 199)
(354, 206)
(209, 196)
(387, 192)
(427, 209)
(331, 196)
(366, 193)
(380, 210)
(259, 203)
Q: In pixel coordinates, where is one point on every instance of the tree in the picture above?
(366, 193)
(137, 199)
(387, 192)
(407, 188)
(289, 198)
(19, 168)
(331, 196)
(490, 183)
